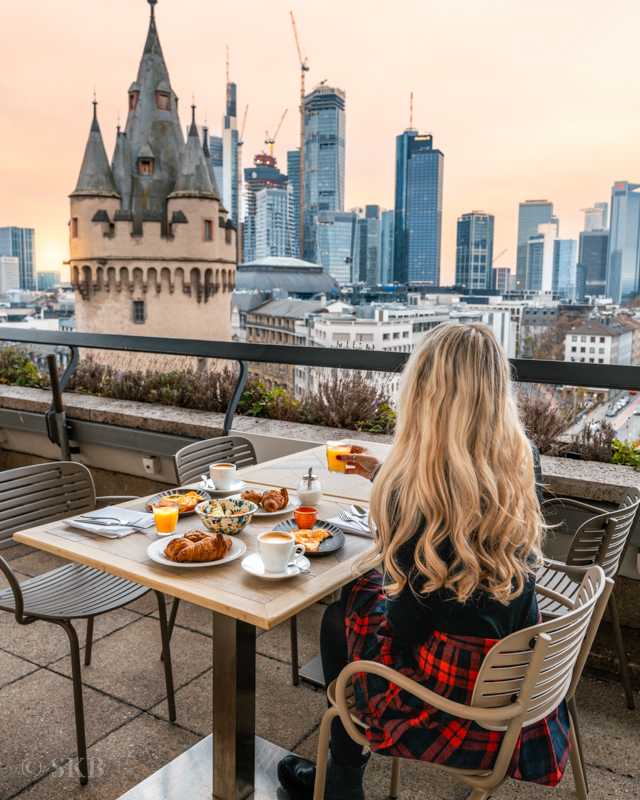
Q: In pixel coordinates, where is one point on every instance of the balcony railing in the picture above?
(605, 376)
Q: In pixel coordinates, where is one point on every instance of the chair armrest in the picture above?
(571, 571)
(116, 498)
(569, 501)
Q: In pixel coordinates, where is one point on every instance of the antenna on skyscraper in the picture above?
(411, 113)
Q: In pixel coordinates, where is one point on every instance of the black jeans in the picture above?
(333, 650)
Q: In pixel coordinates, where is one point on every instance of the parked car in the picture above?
(611, 412)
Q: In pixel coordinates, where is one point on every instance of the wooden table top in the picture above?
(227, 589)
(287, 471)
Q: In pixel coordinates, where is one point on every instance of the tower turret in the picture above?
(153, 127)
(193, 176)
(96, 178)
(121, 168)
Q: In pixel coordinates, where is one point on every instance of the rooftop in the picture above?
(594, 327)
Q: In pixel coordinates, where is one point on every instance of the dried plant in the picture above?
(593, 445)
(540, 416)
(343, 401)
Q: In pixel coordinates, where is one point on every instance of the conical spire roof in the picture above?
(193, 176)
(121, 167)
(96, 178)
(209, 163)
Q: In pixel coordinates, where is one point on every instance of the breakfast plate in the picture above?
(254, 566)
(174, 493)
(236, 486)
(329, 545)
(156, 549)
(262, 512)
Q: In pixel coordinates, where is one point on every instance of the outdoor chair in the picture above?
(523, 678)
(193, 461)
(45, 493)
(603, 540)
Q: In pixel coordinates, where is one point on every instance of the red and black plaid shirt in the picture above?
(403, 726)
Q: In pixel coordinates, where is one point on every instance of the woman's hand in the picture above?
(360, 461)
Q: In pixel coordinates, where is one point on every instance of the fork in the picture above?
(111, 522)
(303, 570)
(347, 518)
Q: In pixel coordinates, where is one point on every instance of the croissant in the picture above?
(252, 496)
(274, 500)
(198, 546)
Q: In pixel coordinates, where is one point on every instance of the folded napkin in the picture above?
(113, 531)
(359, 525)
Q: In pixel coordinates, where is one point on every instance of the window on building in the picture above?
(583, 349)
(601, 349)
(601, 361)
(573, 349)
(583, 338)
(396, 335)
(74, 227)
(207, 230)
(405, 334)
(279, 336)
(591, 360)
(145, 167)
(593, 338)
(385, 335)
(582, 360)
(164, 101)
(602, 338)
(574, 338)
(138, 311)
(133, 101)
(258, 332)
(592, 349)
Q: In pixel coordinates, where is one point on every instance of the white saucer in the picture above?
(155, 551)
(254, 566)
(236, 486)
(261, 512)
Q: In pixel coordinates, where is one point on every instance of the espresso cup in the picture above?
(277, 549)
(223, 475)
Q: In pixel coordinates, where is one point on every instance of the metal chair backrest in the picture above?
(193, 460)
(603, 539)
(505, 666)
(41, 493)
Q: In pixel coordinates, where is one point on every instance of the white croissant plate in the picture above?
(155, 551)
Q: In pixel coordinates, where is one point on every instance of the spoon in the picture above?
(358, 511)
(207, 481)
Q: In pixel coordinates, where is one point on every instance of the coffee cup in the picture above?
(277, 549)
(223, 475)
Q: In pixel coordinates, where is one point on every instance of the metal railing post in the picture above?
(235, 397)
(56, 418)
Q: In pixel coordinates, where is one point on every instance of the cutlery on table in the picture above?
(348, 518)
(111, 522)
(358, 511)
(302, 569)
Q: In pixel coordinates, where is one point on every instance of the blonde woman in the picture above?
(459, 529)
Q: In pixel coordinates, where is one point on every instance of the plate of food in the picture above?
(196, 549)
(323, 538)
(270, 503)
(187, 499)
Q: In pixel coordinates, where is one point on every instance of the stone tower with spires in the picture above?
(152, 249)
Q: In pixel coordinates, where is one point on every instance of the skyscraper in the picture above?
(418, 209)
(501, 279)
(293, 172)
(595, 218)
(20, 243)
(387, 219)
(540, 250)
(9, 273)
(324, 159)
(48, 279)
(274, 222)
(531, 214)
(368, 245)
(591, 271)
(474, 252)
(336, 237)
(623, 261)
(215, 149)
(564, 268)
(230, 155)
(263, 173)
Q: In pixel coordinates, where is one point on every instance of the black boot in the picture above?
(297, 776)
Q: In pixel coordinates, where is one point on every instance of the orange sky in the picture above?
(526, 101)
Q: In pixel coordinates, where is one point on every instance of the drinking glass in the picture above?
(166, 517)
(333, 449)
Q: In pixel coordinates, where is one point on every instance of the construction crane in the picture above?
(240, 184)
(498, 256)
(271, 140)
(304, 67)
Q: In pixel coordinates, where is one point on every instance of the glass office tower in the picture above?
(623, 261)
(336, 239)
(368, 246)
(474, 251)
(229, 186)
(48, 279)
(264, 173)
(20, 243)
(293, 170)
(423, 221)
(531, 214)
(591, 272)
(215, 148)
(324, 159)
(386, 246)
(595, 218)
(564, 268)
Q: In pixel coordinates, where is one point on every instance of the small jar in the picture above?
(309, 490)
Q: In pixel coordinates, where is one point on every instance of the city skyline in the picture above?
(563, 154)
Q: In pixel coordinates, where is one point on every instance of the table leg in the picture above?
(234, 708)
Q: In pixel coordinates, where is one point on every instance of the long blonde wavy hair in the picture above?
(460, 473)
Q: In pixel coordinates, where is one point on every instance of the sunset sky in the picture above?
(525, 101)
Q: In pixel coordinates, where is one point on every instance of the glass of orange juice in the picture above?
(166, 517)
(333, 449)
